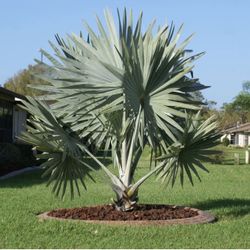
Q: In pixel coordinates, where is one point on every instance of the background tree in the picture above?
(241, 102)
(238, 110)
(21, 82)
(246, 87)
(208, 107)
(197, 95)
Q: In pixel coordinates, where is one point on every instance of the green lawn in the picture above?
(225, 192)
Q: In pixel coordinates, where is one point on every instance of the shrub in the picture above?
(9, 153)
(225, 141)
(218, 158)
(16, 156)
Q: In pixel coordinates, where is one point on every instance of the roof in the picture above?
(13, 95)
(240, 128)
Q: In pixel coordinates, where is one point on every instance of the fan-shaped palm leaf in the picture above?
(193, 147)
(67, 157)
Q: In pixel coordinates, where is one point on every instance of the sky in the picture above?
(221, 27)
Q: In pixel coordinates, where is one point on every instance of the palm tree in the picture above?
(120, 91)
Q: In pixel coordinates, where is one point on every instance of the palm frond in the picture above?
(192, 147)
(66, 163)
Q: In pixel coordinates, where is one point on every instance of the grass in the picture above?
(228, 154)
(224, 192)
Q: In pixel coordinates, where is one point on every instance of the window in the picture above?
(5, 121)
(246, 140)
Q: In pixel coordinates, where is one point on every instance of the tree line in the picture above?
(236, 111)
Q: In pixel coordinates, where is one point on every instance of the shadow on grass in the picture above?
(35, 177)
(24, 180)
(230, 207)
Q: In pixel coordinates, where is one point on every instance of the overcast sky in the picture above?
(221, 27)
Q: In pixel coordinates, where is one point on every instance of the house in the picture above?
(239, 135)
(12, 117)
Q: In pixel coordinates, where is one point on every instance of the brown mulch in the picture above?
(141, 212)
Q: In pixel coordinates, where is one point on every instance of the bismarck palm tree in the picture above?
(120, 91)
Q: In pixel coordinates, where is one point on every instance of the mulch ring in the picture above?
(143, 214)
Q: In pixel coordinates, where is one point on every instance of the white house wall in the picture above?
(241, 140)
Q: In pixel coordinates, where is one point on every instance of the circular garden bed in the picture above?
(143, 214)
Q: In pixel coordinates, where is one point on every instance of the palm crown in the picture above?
(122, 90)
